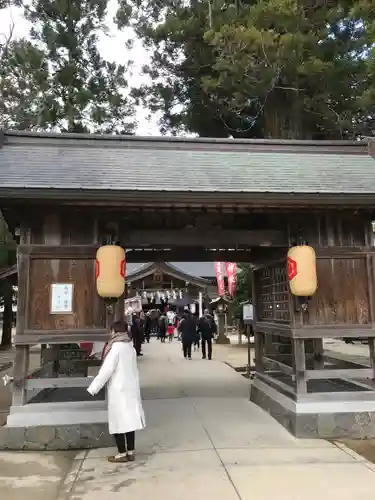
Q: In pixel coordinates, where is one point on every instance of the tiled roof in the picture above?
(128, 165)
(196, 269)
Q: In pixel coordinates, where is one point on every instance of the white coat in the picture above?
(119, 369)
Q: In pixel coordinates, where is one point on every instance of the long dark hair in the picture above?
(120, 326)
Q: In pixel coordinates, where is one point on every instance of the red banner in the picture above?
(231, 270)
(220, 278)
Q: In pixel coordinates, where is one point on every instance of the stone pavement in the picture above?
(357, 352)
(204, 439)
(33, 476)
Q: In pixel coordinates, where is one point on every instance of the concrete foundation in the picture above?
(321, 420)
(61, 437)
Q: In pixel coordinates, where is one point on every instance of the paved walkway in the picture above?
(204, 439)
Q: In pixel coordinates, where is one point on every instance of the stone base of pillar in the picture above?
(300, 419)
(223, 339)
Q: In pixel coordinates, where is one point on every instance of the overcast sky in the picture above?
(112, 48)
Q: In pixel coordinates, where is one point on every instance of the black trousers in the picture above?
(208, 343)
(186, 347)
(125, 442)
(137, 342)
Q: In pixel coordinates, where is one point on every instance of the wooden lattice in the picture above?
(273, 295)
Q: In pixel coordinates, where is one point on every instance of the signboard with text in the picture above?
(61, 298)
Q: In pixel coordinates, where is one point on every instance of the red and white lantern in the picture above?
(302, 276)
(110, 271)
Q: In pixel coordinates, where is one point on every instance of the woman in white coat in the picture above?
(120, 372)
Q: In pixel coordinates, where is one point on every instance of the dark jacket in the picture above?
(137, 328)
(207, 327)
(163, 325)
(188, 328)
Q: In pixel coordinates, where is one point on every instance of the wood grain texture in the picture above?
(342, 296)
(43, 273)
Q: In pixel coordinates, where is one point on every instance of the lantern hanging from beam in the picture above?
(302, 271)
(110, 271)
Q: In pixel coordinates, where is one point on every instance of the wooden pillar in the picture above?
(299, 365)
(6, 338)
(259, 350)
(120, 308)
(109, 314)
(371, 344)
(318, 354)
(21, 360)
(20, 371)
(258, 337)
(370, 268)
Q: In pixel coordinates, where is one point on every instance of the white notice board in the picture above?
(61, 298)
(248, 312)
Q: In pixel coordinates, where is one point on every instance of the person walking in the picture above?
(147, 327)
(170, 332)
(197, 341)
(188, 329)
(137, 333)
(120, 372)
(207, 329)
(163, 327)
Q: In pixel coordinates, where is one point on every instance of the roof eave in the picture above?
(169, 270)
(115, 197)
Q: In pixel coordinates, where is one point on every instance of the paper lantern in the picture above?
(110, 271)
(302, 271)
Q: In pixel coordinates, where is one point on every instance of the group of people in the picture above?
(166, 327)
(143, 326)
(194, 332)
(191, 331)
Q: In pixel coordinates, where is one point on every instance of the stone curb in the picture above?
(356, 456)
(56, 438)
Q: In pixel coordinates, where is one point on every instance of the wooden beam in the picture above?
(31, 337)
(220, 238)
(274, 328)
(339, 373)
(58, 251)
(189, 249)
(142, 255)
(190, 255)
(342, 252)
(333, 331)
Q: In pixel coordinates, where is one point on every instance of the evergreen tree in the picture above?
(83, 92)
(21, 73)
(272, 68)
(23, 79)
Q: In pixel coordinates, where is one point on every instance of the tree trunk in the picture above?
(6, 339)
(283, 116)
